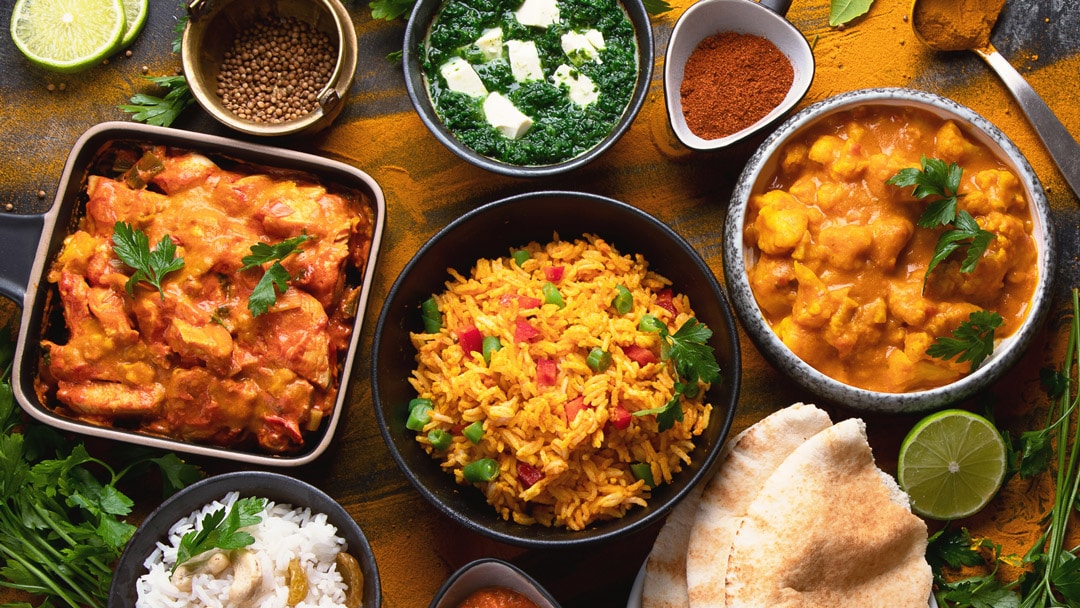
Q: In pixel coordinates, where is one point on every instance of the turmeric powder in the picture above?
(956, 25)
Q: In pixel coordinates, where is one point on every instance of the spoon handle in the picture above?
(1062, 146)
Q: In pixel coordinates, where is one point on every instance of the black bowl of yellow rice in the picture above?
(533, 359)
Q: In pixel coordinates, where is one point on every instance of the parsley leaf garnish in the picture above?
(161, 111)
(972, 341)
(943, 181)
(694, 361)
(132, 246)
(221, 530)
(656, 7)
(276, 278)
(390, 9)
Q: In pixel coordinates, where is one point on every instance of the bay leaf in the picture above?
(842, 11)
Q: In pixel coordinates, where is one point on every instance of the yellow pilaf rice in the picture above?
(585, 462)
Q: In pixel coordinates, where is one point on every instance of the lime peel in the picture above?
(952, 463)
(67, 35)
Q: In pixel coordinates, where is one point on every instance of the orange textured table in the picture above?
(426, 186)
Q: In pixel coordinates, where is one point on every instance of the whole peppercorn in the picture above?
(275, 69)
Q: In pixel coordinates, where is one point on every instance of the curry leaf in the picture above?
(843, 11)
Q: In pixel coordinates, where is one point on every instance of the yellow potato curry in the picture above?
(839, 264)
(192, 361)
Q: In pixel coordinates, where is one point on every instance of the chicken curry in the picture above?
(193, 360)
(840, 264)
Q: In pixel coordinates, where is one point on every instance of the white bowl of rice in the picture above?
(564, 449)
(299, 545)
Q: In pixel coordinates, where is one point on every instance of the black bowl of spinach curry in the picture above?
(528, 88)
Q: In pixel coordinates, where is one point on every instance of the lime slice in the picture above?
(67, 35)
(135, 17)
(951, 464)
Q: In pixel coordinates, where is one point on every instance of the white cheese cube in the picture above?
(461, 77)
(490, 43)
(538, 13)
(524, 60)
(581, 47)
(583, 90)
(501, 114)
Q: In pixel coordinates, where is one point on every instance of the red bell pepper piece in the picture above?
(547, 372)
(572, 408)
(554, 273)
(621, 417)
(528, 474)
(524, 302)
(664, 300)
(642, 356)
(470, 338)
(524, 331)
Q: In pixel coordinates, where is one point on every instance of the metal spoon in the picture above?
(1063, 148)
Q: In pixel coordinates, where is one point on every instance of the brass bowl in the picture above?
(211, 29)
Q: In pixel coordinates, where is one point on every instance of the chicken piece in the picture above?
(183, 172)
(111, 201)
(100, 398)
(292, 334)
(210, 343)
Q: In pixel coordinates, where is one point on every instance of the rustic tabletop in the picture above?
(426, 186)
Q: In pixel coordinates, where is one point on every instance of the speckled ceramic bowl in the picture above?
(738, 256)
(416, 83)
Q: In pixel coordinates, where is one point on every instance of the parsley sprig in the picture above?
(972, 341)
(937, 179)
(222, 530)
(694, 362)
(161, 111)
(132, 246)
(276, 278)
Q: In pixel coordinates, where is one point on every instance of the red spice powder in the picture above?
(731, 81)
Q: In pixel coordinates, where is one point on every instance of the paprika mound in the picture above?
(731, 81)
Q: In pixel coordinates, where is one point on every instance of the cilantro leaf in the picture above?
(276, 278)
(941, 180)
(222, 530)
(953, 548)
(978, 592)
(390, 9)
(161, 111)
(132, 246)
(657, 7)
(694, 361)
(972, 341)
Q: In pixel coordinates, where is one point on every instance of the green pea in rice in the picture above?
(585, 462)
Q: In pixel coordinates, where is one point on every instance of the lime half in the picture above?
(135, 18)
(67, 35)
(951, 464)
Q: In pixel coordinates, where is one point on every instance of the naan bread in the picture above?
(828, 529)
(664, 585)
(748, 461)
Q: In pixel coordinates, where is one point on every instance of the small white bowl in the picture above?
(710, 17)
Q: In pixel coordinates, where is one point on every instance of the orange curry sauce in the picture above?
(194, 363)
(496, 597)
(841, 262)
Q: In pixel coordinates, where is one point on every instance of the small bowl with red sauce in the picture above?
(492, 583)
(732, 69)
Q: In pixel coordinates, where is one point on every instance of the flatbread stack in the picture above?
(798, 514)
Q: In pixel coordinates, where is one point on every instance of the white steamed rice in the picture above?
(283, 533)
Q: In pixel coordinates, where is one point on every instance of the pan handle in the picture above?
(19, 238)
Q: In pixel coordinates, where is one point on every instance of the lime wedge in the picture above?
(951, 464)
(67, 35)
(135, 16)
